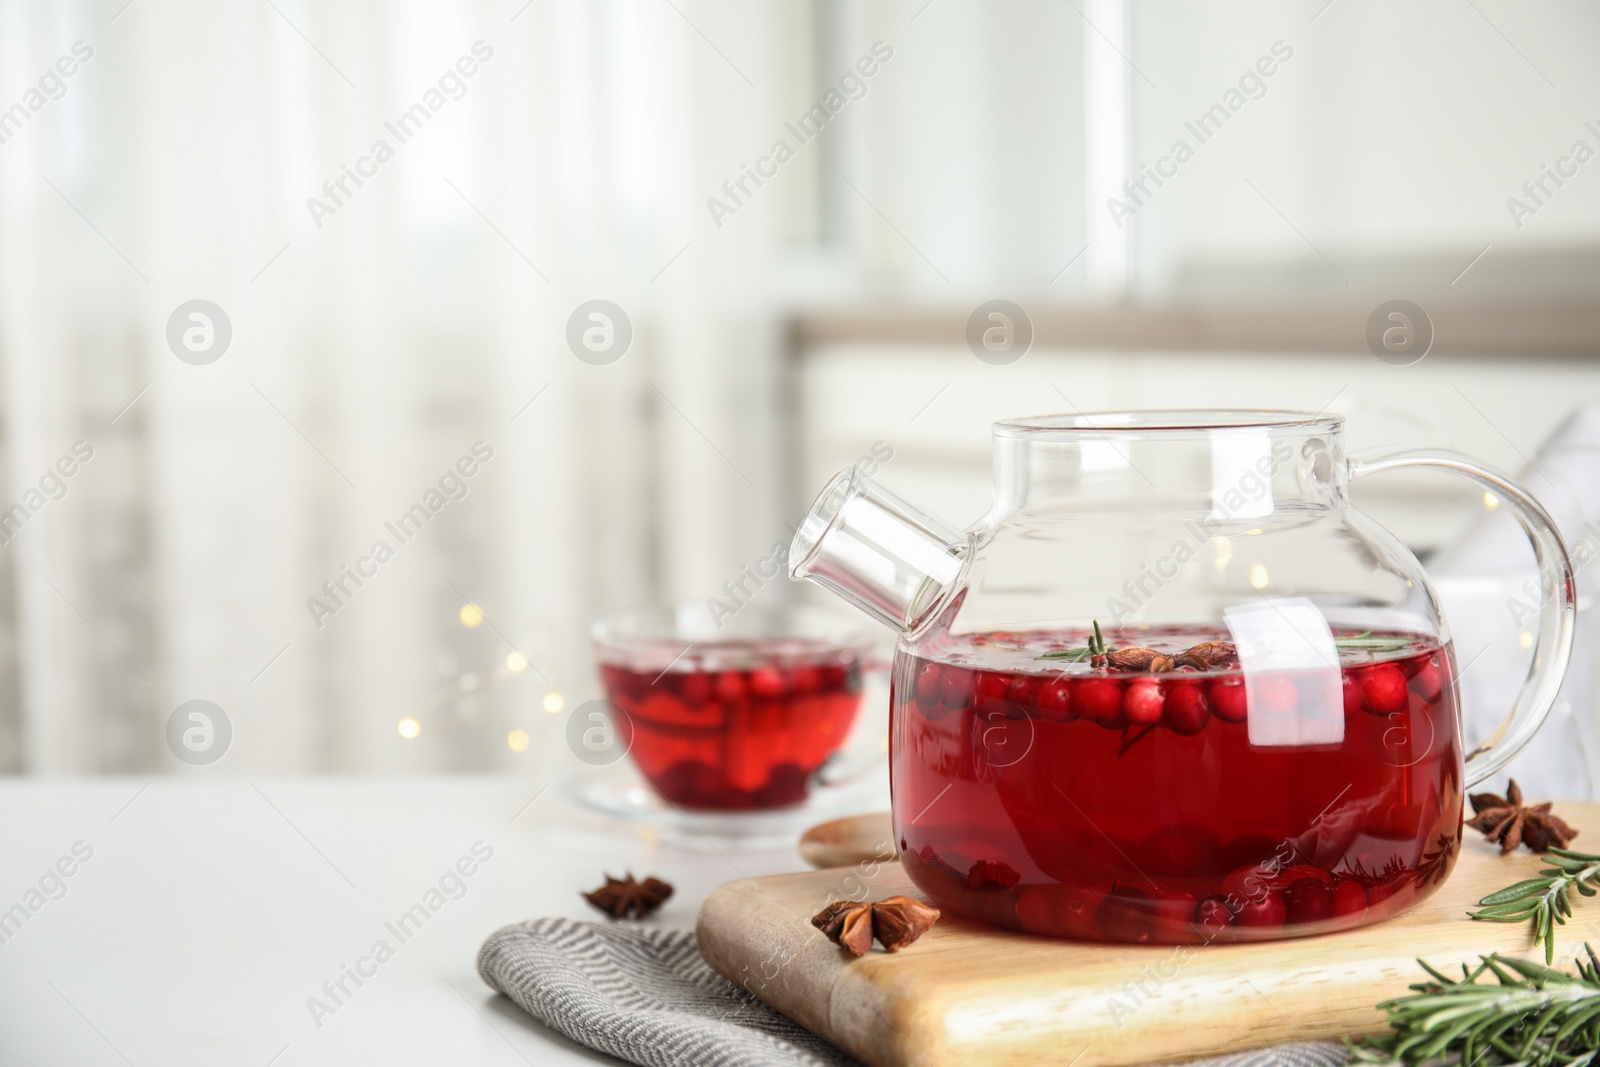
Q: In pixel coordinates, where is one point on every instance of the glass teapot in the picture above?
(1173, 687)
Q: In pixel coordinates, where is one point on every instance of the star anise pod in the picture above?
(1132, 658)
(1507, 820)
(1201, 657)
(895, 922)
(623, 898)
(1211, 653)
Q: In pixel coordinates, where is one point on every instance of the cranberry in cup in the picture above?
(740, 718)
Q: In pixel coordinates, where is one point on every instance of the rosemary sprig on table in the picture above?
(1532, 1016)
(1547, 899)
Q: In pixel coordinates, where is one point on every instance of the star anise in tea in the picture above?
(1211, 653)
(1201, 657)
(1508, 820)
(895, 922)
(623, 898)
(1134, 658)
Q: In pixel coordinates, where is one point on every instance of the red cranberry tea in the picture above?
(1162, 794)
(736, 725)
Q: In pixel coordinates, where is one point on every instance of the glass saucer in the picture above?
(621, 794)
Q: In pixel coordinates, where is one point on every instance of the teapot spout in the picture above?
(887, 557)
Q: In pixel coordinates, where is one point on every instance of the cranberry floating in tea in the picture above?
(1173, 687)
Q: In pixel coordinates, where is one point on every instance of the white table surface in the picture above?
(209, 913)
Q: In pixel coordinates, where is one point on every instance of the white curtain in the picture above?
(376, 337)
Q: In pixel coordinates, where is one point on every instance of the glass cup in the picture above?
(745, 713)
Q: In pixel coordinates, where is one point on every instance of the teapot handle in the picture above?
(1557, 611)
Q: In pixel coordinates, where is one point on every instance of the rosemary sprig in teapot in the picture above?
(1095, 647)
(1202, 657)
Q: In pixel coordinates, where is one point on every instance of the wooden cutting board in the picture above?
(969, 993)
(852, 839)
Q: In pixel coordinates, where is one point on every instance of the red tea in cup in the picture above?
(736, 723)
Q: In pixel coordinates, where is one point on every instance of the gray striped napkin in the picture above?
(644, 995)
